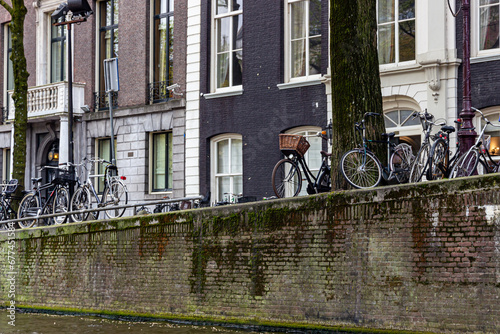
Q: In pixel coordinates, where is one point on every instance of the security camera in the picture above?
(61, 11)
(85, 108)
(172, 87)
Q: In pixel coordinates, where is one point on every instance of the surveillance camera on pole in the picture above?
(80, 9)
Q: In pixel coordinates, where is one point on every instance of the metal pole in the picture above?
(70, 96)
(466, 134)
(112, 142)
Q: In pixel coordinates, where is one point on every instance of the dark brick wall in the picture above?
(263, 111)
(417, 257)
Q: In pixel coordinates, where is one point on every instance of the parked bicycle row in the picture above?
(361, 168)
(53, 198)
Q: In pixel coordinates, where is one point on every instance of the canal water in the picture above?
(35, 323)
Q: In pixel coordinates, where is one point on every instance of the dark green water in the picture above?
(31, 323)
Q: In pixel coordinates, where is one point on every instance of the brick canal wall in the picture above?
(423, 257)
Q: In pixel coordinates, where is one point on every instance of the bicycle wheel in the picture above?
(61, 205)
(81, 200)
(115, 195)
(361, 169)
(438, 162)
(286, 179)
(466, 164)
(401, 161)
(420, 164)
(28, 207)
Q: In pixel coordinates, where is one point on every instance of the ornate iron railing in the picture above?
(101, 100)
(159, 92)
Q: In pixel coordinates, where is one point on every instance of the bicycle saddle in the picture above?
(448, 129)
(389, 135)
(325, 154)
(36, 179)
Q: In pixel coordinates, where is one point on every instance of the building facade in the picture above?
(149, 40)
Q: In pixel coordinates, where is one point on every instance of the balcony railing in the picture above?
(158, 92)
(50, 100)
(101, 100)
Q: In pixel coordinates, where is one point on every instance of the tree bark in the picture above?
(20, 96)
(355, 78)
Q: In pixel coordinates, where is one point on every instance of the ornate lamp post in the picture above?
(466, 134)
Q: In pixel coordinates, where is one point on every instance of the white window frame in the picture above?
(398, 63)
(231, 89)
(308, 78)
(151, 164)
(214, 187)
(308, 132)
(478, 55)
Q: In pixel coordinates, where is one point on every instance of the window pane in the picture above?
(237, 68)
(115, 9)
(236, 156)
(407, 40)
(487, 2)
(223, 31)
(391, 119)
(488, 38)
(298, 58)
(7, 164)
(237, 32)
(315, 55)
(314, 17)
(222, 7)
(298, 22)
(386, 40)
(406, 9)
(223, 70)
(314, 159)
(160, 161)
(406, 118)
(104, 152)
(237, 185)
(224, 187)
(237, 4)
(223, 157)
(385, 11)
(10, 67)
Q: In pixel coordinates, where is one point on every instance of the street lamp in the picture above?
(74, 11)
(466, 134)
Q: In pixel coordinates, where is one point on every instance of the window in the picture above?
(161, 161)
(228, 49)
(303, 41)
(103, 152)
(491, 134)
(163, 53)
(10, 67)
(6, 164)
(227, 167)
(108, 35)
(488, 24)
(58, 53)
(396, 31)
(312, 156)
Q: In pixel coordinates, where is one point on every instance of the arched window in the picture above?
(226, 167)
(398, 111)
(312, 156)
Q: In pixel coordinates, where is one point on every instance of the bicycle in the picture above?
(115, 193)
(361, 167)
(35, 204)
(421, 163)
(477, 160)
(440, 163)
(6, 198)
(287, 174)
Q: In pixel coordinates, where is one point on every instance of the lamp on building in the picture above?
(53, 154)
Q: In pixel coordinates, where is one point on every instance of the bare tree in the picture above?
(355, 77)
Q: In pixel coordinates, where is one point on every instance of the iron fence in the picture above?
(101, 100)
(159, 92)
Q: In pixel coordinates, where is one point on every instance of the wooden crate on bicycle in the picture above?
(293, 144)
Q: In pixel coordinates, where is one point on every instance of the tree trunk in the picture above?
(20, 96)
(355, 78)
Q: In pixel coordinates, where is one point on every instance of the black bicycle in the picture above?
(6, 198)
(56, 200)
(361, 167)
(287, 173)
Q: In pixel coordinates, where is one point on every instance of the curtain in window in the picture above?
(489, 23)
(298, 38)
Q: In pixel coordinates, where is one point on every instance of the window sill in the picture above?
(484, 58)
(216, 95)
(298, 84)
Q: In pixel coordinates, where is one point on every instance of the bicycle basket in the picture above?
(293, 144)
(10, 187)
(63, 176)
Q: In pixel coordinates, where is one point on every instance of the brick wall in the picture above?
(419, 257)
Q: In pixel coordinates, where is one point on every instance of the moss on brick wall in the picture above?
(417, 257)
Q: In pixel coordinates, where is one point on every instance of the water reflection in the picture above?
(31, 323)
